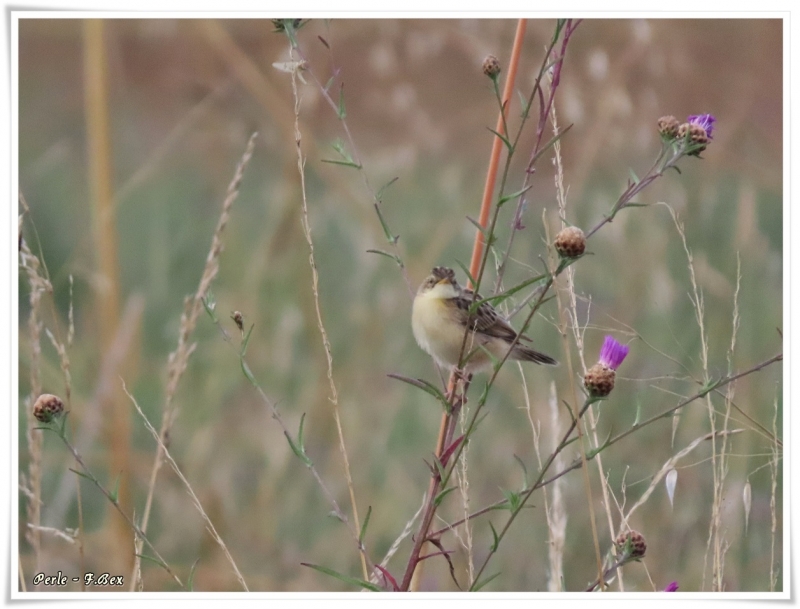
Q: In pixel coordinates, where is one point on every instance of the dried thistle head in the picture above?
(632, 544)
(570, 242)
(491, 66)
(47, 407)
(668, 127)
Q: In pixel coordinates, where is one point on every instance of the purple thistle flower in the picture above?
(612, 353)
(706, 121)
(673, 587)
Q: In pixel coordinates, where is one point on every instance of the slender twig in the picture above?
(334, 395)
(59, 431)
(211, 528)
(178, 359)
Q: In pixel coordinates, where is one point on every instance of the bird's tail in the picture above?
(527, 354)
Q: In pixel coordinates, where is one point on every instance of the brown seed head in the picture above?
(570, 242)
(599, 380)
(491, 66)
(238, 319)
(638, 544)
(47, 407)
(668, 126)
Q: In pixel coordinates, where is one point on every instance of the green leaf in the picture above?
(160, 563)
(495, 538)
(247, 373)
(508, 198)
(246, 341)
(329, 83)
(466, 272)
(340, 110)
(498, 298)
(549, 144)
(379, 194)
(503, 139)
(476, 224)
(425, 386)
(524, 471)
(300, 442)
(442, 494)
(343, 163)
(388, 255)
(633, 175)
(512, 498)
(389, 236)
(81, 474)
(209, 304)
(345, 578)
(478, 585)
(190, 583)
(114, 494)
(364, 526)
(298, 449)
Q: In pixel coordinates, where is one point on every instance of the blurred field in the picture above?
(184, 96)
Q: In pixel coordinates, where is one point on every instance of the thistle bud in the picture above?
(668, 127)
(491, 66)
(638, 546)
(570, 242)
(47, 407)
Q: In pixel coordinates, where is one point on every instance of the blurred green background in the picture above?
(184, 96)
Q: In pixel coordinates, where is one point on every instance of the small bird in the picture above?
(439, 320)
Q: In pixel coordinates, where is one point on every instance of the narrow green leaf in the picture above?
(388, 255)
(153, 560)
(550, 143)
(340, 110)
(246, 340)
(512, 498)
(524, 471)
(466, 272)
(114, 494)
(389, 236)
(495, 538)
(190, 582)
(300, 442)
(498, 298)
(345, 578)
(508, 198)
(364, 526)
(633, 175)
(442, 494)
(476, 224)
(425, 386)
(379, 194)
(344, 163)
(478, 585)
(81, 474)
(503, 139)
(300, 454)
(247, 373)
(209, 305)
(329, 83)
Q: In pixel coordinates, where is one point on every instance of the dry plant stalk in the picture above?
(561, 197)
(211, 528)
(39, 286)
(334, 395)
(178, 359)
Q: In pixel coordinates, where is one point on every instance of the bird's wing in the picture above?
(486, 320)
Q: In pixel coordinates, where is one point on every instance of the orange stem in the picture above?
(494, 159)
